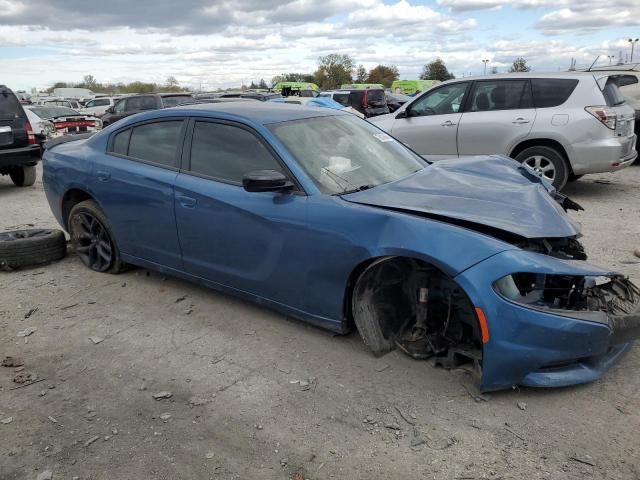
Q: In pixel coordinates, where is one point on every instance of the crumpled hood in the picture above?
(495, 191)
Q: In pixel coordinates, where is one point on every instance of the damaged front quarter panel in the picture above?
(551, 322)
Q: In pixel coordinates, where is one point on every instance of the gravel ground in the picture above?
(257, 395)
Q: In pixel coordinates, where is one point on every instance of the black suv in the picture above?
(139, 103)
(19, 150)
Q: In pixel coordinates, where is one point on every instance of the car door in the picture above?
(118, 111)
(245, 240)
(134, 184)
(429, 124)
(498, 115)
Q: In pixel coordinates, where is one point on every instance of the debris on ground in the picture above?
(181, 299)
(259, 426)
(6, 421)
(26, 332)
(96, 340)
(304, 384)
(162, 395)
(93, 439)
(636, 252)
(53, 420)
(30, 312)
(197, 401)
(585, 459)
(381, 367)
(209, 455)
(25, 377)
(165, 417)
(10, 361)
(46, 475)
(522, 405)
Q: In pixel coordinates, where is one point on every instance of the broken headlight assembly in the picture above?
(584, 297)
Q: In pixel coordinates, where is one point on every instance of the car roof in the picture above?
(259, 112)
(502, 76)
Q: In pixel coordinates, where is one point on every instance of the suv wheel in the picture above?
(23, 176)
(546, 162)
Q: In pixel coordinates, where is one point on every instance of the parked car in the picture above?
(322, 216)
(66, 121)
(396, 100)
(370, 102)
(62, 103)
(19, 149)
(42, 129)
(628, 80)
(139, 103)
(98, 106)
(561, 125)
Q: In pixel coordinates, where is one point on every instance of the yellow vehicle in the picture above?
(300, 89)
(361, 86)
(411, 87)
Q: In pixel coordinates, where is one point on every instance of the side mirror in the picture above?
(265, 181)
(403, 114)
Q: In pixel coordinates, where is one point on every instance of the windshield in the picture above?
(343, 153)
(53, 112)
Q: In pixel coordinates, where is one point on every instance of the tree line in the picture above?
(333, 71)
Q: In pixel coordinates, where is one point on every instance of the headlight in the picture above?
(98, 124)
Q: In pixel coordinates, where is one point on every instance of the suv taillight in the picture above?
(30, 135)
(606, 115)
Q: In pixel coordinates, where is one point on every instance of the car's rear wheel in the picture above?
(547, 163)
(92, 240)
(23, 176)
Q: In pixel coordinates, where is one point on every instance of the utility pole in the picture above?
(485, 66)
(633, 42)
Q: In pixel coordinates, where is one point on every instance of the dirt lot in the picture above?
(256, 395)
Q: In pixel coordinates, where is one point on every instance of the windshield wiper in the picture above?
(357, 189)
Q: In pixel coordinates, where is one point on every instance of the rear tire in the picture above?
(24, 248)
(92, 240)
(23, 176)
(546, 162)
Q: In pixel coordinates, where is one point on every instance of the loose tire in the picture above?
(92, 239)
(546, 162)
(23, 176)
(23, 248)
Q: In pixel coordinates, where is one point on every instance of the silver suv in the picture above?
(561, 125)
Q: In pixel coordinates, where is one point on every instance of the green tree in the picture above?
(262, 84)
(292, 77)
(253, 86)
(383, 74)
(361, 74)
(334, 70)
(436, 70)
(519, 65)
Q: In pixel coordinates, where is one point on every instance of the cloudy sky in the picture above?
(220, 43)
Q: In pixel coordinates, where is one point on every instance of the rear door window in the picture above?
(10, 107)
(156, 142)
(341, 98)
(227, 153)
(551, 92)
(500, 95)
(624, 80)
(120, 143)
(134, 103)
(148, 103)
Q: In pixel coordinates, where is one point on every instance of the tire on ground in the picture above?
(23, 176)
(23, 248)
(555, 157)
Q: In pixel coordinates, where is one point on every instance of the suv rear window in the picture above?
(376, 97)
(551, 92)
(175, 100)
(10, 107)
(612, 93)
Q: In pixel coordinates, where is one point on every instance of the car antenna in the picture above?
(594, 62)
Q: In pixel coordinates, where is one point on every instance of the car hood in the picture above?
(493, 191)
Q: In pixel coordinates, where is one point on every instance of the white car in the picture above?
(66, 121)
(98, 106)
(42, 129)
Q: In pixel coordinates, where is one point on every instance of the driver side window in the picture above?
(440, 101)
(119, 107)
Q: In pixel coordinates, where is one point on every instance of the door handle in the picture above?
(187, 202)
(103, 176)
(519, 121)
(448, 123)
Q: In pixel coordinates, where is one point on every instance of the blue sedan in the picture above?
(324, 217)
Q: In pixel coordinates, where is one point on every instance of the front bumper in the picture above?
(534, 347)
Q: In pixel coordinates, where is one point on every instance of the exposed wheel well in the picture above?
(542, 142)
(71, 198)
(382, 298)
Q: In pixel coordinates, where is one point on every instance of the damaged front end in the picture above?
(611, 300)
